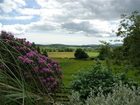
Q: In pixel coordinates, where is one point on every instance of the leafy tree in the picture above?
(80, 54)
(38, 49)
(105, 51)
(44, 52)
(130, 29)
(117, 55)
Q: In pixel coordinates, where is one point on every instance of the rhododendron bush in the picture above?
(35, 68)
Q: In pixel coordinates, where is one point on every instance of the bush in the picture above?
(23, 69)
(94, 78)
(80, 54)
(121, 95)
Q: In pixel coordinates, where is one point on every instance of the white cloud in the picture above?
(9, 5)
(42, 26)
(29, 11)
(16, 17)
(16, 28)
(48, 3)
(20, 2)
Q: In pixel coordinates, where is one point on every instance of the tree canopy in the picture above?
(129, 28)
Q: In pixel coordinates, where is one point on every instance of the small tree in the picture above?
(105, 51)
(38, 49)
(44, 52)
(80, 54)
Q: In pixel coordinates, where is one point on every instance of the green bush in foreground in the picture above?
(95, 78)
(121, 95)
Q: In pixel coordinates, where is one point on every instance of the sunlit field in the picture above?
(68, 54)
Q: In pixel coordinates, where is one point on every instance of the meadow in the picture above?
(71, 66)
(69, 54)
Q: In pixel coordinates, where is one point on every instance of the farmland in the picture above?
(71, 66)
(68, 54)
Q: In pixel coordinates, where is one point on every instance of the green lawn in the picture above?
(93, 54)
(72, 66)
(69, 65)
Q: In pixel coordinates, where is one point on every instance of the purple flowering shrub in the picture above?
(35, 68)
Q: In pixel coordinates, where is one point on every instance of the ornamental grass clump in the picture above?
(23, 67)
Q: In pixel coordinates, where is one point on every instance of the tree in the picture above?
(129, 28)
(44, 52)
(38, 49)
(105, 51)
(80, 54)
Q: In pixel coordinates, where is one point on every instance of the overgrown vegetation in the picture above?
(121, 95)
(98, 77)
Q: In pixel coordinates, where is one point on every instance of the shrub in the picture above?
(22, 65)
(80, 54)
(94, 78)
(121, 95)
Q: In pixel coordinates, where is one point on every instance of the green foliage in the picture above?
(38, 49)
(105, 51)
(95, 78)
(121, 95)
(117, 55)
(80, 54)
(130, 29)
(44, 52)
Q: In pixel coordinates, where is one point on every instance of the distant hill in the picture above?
(92, 46)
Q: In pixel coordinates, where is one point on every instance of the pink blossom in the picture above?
(24, 59)
(49, 65)
(31, 54)
(41, 61)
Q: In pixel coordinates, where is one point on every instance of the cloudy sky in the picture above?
(64, 21)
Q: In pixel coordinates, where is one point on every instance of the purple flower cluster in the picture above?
(47, 70)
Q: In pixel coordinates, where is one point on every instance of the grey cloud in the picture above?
(101, 9)
(41, 27)
(83, 10)
(109, 10)
(84, 27)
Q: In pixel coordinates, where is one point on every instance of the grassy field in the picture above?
(71, 67)
(61, 54)
(68, 54)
